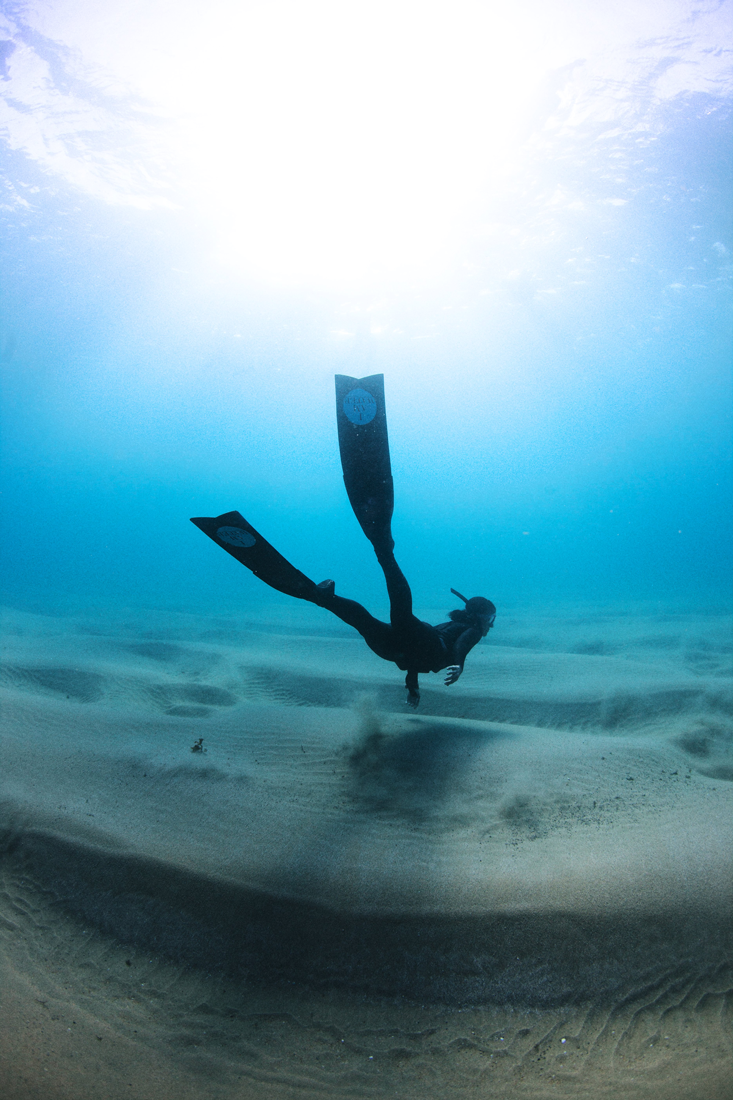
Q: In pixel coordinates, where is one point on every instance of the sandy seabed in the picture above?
(522, 890)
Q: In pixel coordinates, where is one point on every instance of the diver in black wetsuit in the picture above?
(414, 646)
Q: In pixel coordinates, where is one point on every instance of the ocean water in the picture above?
(523, 220)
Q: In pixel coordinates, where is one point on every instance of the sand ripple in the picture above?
(524, 888)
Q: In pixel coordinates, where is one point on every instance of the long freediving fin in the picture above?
(362, 429)
(234, 534)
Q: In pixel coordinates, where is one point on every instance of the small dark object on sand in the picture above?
(199, 746)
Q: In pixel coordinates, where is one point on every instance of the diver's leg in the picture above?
(239, 538)
(349, 611)
(413, 638)
(400, 596)
(377, 635)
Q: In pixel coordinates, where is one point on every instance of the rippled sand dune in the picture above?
(235, 864)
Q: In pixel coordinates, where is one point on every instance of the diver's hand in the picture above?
(452, 674)
(413, 690)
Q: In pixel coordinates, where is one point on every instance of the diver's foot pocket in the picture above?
(326, 591)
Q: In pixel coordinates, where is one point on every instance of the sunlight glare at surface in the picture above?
(372, 136)
(331, 143)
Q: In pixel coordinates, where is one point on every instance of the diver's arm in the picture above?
(462, 646)
(413, 697)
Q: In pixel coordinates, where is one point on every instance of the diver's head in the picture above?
(483, 612)
(478, 612)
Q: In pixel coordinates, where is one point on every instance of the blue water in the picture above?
(545, 448)
(558, 391)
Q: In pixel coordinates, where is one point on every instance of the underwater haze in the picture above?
(522, 219)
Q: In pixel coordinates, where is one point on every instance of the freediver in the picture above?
(414, 646)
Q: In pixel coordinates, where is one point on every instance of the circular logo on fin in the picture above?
(236, 536)
(359, 406)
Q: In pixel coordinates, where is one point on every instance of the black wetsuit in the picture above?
(413, 645)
